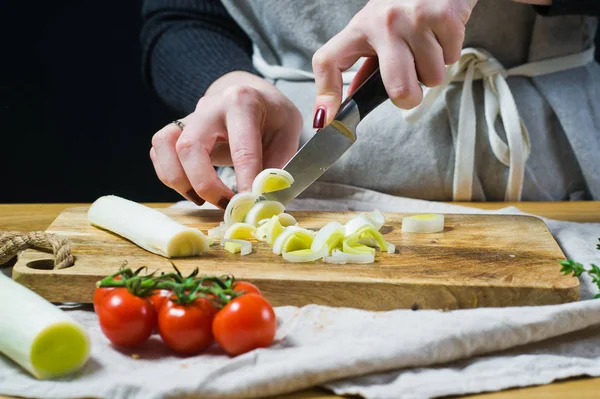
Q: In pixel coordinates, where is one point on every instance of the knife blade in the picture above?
(328, 144)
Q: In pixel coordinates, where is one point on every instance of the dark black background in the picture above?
(75, 118)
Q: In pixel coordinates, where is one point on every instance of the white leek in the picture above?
(146, 227)
(37, 335)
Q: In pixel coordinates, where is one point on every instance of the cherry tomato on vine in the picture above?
(100, 293)
(187, 329)
(126, 319)
(246, 287)
(244, 324)
(159, 298)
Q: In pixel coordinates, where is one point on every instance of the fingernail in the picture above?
(194, 197)
(319, 120)
(223, 202)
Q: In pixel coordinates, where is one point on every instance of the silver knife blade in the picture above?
(317, 156)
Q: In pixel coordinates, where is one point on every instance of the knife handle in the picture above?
(370, 94)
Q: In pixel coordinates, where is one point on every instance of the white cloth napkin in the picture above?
(396, 354)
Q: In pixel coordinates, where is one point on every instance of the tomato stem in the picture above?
(219, 290)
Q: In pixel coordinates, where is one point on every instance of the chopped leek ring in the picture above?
(357, 223)
(218, 232)
(238, 207)
(271, 180)
(369, 232)
(233, 247)
(245, 246)
(342, 258)
(263, 210)
(287, 220)
(423, 223)
(330, 236)
(304, 255)
(352, 245)
(293, 238)
(377, 218)
(275, 228)
(391, 248)
(240, 231)
(357, 248)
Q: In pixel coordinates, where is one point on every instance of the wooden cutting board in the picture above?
(477, 261)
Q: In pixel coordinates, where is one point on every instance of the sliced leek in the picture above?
(271, 180)
(37, 335)
(274, 229)
(357, 223)
(293, 238)
(370, 233)
(377, 218)
(238, 207)
(423, 223)
(342, 258)
(218, 232)
(263, 210)
(391, 248)
(287, 220)
(240, 231)
(305, 255)
(330, 236)
(146, 227)
(232, 245)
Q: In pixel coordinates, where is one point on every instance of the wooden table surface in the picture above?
(29, 217)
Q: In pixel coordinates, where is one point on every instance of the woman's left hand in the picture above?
(411, 40)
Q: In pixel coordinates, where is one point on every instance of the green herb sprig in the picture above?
(577, 269)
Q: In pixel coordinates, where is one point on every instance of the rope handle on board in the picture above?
(14, 242)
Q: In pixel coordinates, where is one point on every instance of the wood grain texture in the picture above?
(478, 261)
(29, 217)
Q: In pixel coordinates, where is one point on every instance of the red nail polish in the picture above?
(319, 120)
(194, 197)
(223, 202)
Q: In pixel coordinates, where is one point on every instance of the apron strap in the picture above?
(476, 64)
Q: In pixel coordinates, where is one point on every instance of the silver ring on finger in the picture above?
(179, 124)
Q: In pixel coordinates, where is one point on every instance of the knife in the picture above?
(328, 144)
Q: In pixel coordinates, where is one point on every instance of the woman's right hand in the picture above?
(242, 121)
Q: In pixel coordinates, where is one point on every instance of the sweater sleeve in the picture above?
(570, 7)
(187, 45)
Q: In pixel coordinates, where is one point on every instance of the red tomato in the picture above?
(244, 324)
(187, 329)
(100, 293)
(246, 287)
(126, 319)
(159, 298)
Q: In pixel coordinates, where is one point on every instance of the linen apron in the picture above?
(518, 117)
